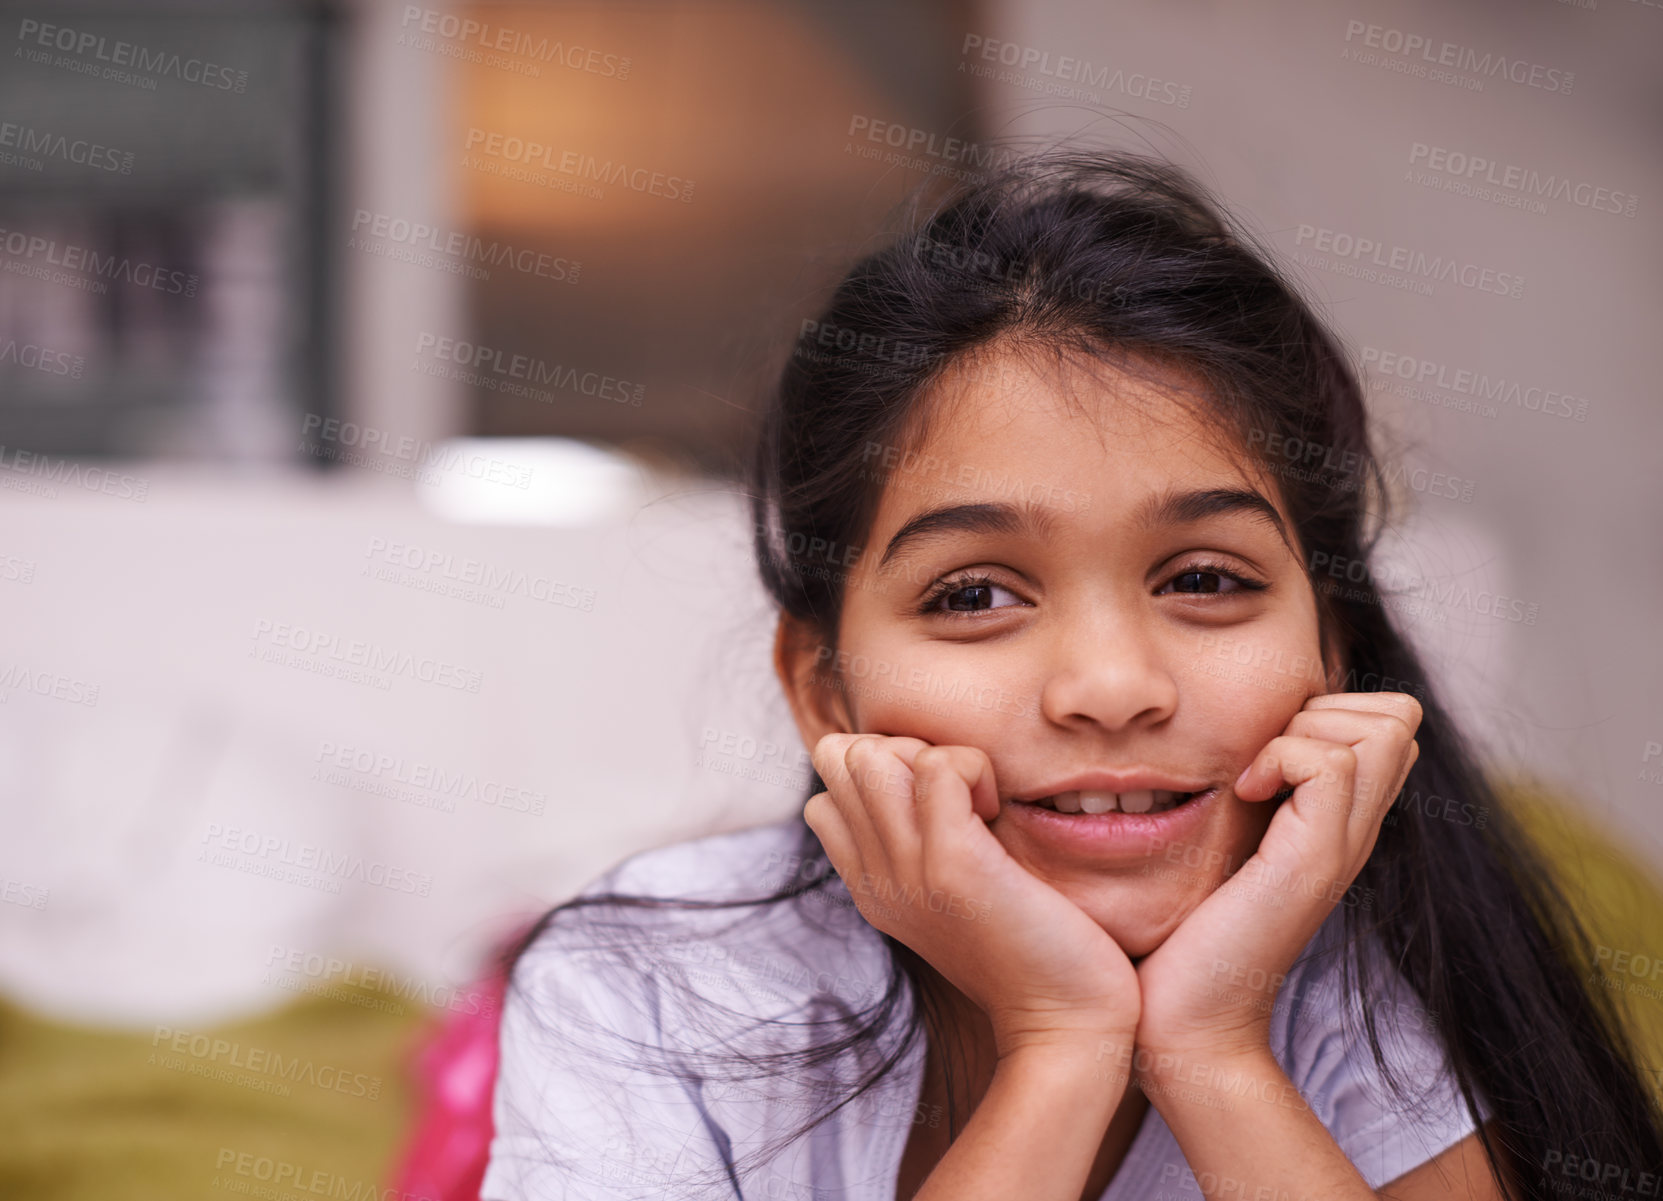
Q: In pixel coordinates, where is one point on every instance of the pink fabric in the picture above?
(455, 1070)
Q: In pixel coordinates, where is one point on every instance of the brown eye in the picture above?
(1205, 580)
(969, 596)
(976, 596)
(1199, 581)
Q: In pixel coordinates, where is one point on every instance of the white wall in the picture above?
(597, 717)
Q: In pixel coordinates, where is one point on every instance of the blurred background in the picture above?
(373, 379)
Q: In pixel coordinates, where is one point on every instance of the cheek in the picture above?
(1238, 717)
(929, 691)
(1244, 691)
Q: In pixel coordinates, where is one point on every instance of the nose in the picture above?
(1108, 671)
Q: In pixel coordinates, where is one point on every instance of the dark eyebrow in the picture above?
(1179, 508)
(1171, 508)
(989, 518)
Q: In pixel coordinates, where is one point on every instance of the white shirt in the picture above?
(578, 1117)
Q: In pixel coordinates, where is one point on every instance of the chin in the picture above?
(1140, 918)
(1136, 938)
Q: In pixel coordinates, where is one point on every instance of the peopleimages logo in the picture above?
(220, 843)
(29, 471)
(369, 656)
(508, 581)
(395, 769)
(29, 141)
(1453, 55)
(1526, 181)
(462, 251)
(1470, 382)
(483, 362)
(46, 683)
(1065, 69)
(1367, 257)
(83, 45)
(263, 1061)
(582, 166)
(40, 358)
(25, 247)
(334, 434)
(468, 33)
(296, 961)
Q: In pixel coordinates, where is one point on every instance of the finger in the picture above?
(949, 781)
(1408, 766)
(827, 757)
(1323, 775)
(1410, 756)
(1381, 741)
(1399, 704)
(1385, 749)
(831, 762)
(830, 825)
(824, 818)
(973, 767)
(884, 787)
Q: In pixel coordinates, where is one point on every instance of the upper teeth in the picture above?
(1145, 800)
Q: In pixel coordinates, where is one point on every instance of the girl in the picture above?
(1098, 890)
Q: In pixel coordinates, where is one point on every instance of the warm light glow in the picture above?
(681, 111)
(531, 481)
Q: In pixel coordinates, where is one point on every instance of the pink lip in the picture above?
(1132, 780)
(1100, 836)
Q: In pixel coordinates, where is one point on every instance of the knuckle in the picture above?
(931, 758)
(1394, 725)
(860, 749)
(1340, 759)
(828, 751)
(876, 773)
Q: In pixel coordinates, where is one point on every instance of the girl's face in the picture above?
(1103, 601)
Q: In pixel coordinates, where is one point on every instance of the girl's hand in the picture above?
(905, 825)
(1209, 988)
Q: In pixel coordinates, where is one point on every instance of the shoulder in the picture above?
(1387, 1121)
(625, 1026)
(724, 866)
(1323, 1001)
(753, 961)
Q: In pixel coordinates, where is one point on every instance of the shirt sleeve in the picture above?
(1384, 1133)
(578, 1113)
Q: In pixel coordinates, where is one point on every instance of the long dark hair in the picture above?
(1124, 256)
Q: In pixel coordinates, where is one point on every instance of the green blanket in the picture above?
(170, 1115)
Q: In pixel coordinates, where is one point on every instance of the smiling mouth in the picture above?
(1097, 801)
